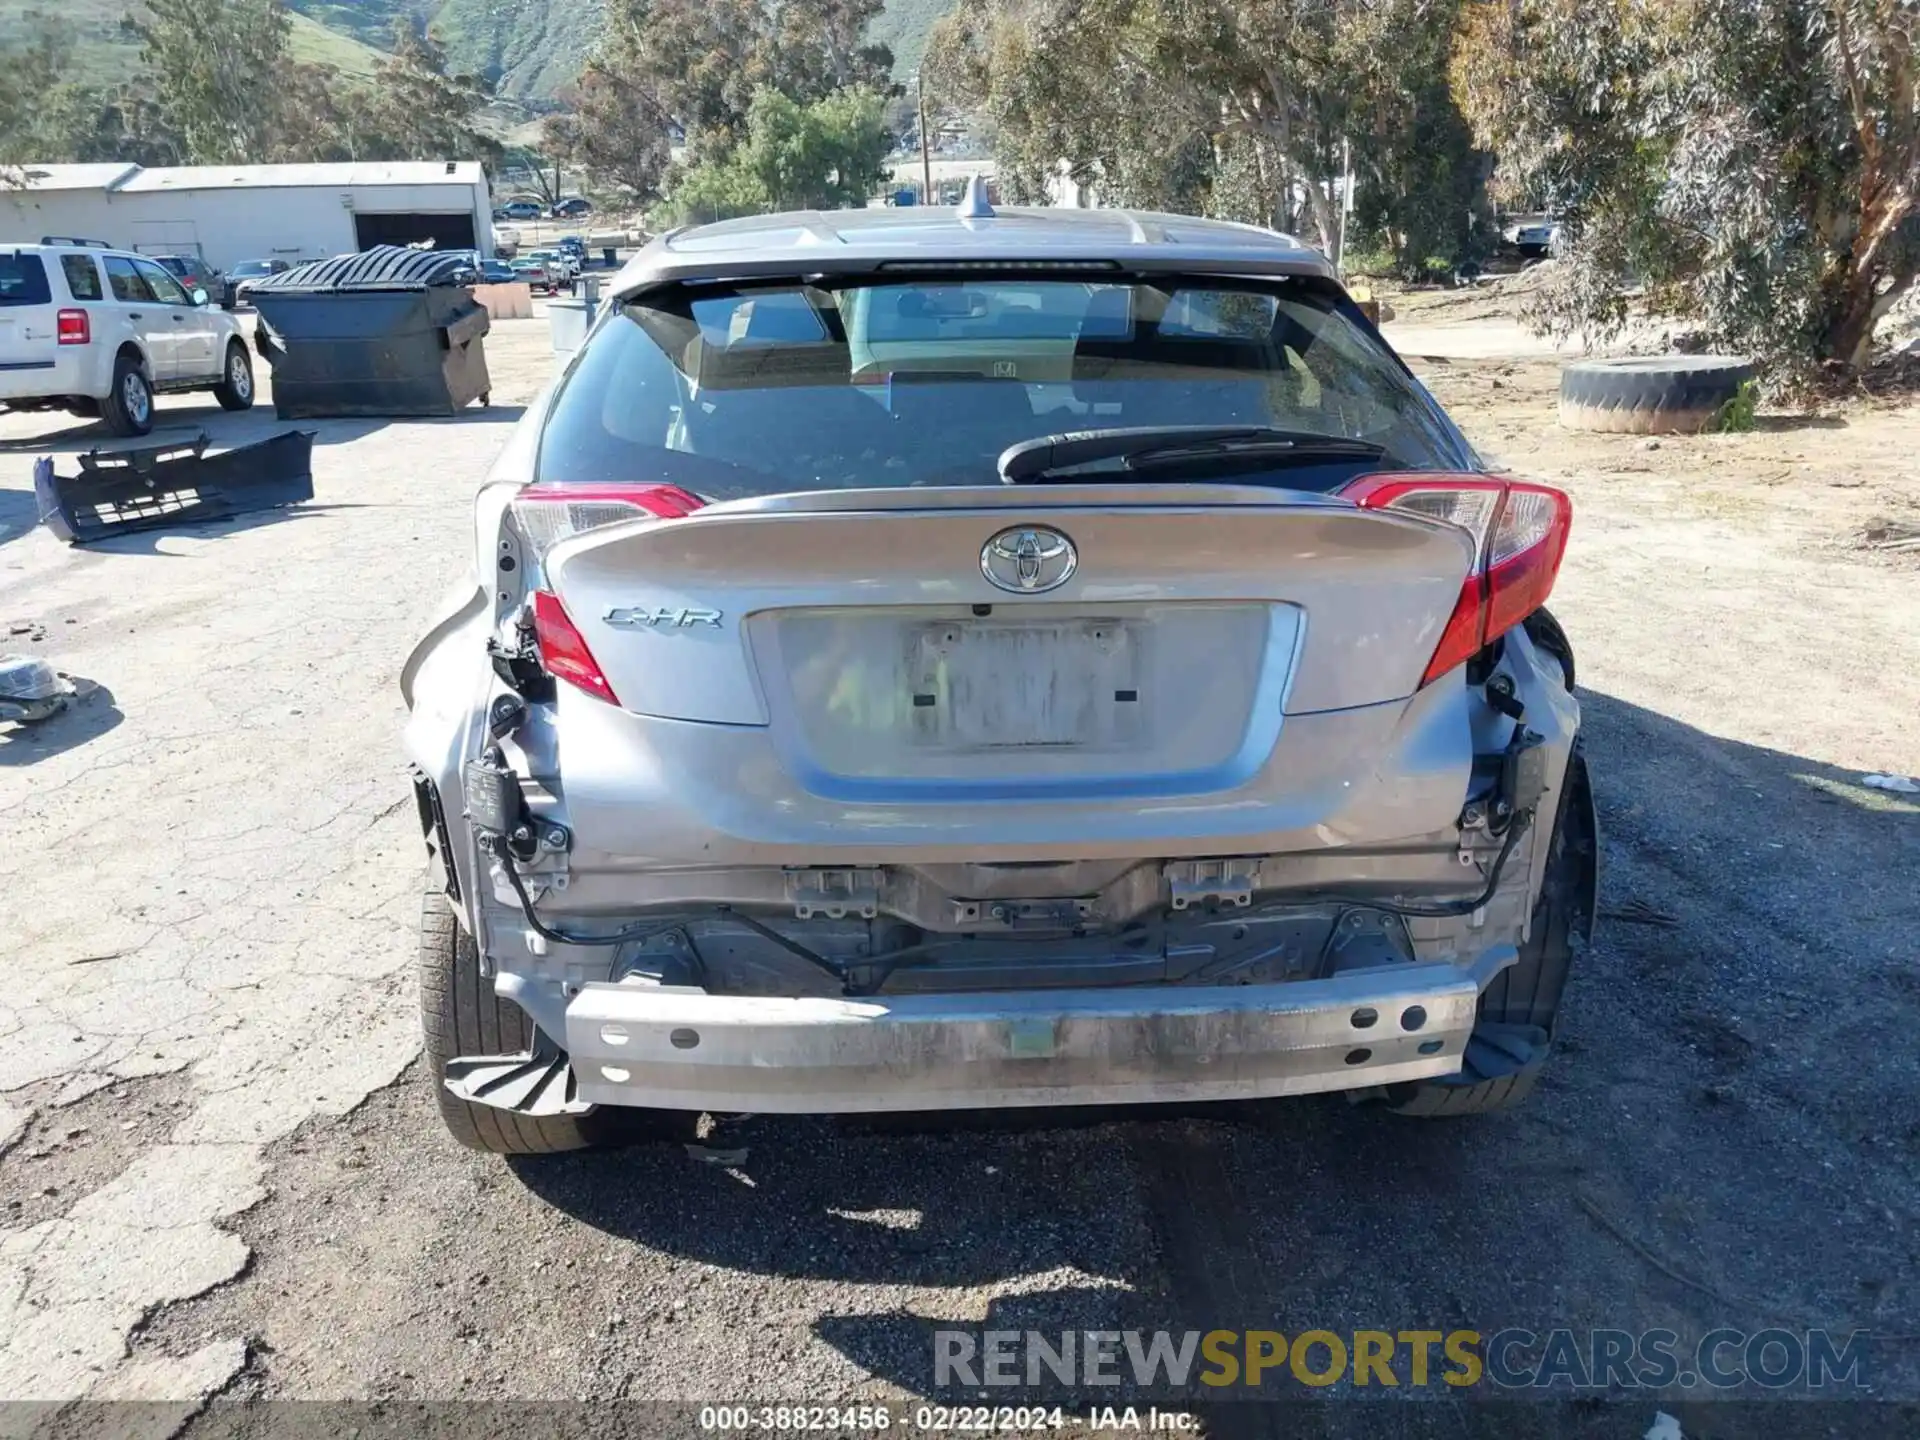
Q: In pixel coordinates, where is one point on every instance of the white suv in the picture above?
(100, 332)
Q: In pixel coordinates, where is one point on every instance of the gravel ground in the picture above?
(1729, 1137)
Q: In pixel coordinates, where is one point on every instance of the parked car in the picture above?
(1532, 236)
(564, 269)
(518, 210)
(506, 242)
(193, 273)
(571, 208)
(534, 273)
(241, 279)
(892, 682)
(575, 249)
(98, 331)
(475, 271)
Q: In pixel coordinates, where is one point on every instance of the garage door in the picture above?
(447, 232)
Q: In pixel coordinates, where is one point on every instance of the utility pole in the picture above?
(1346, 204)
(926, 165)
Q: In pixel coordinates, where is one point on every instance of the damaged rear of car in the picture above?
(1039, 659)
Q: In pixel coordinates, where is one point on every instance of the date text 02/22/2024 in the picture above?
(934, 1419)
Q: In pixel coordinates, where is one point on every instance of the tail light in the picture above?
(563, 649)
(548, 514)
(73, 328)
(1519, 532)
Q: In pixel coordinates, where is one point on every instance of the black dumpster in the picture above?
(384, 332)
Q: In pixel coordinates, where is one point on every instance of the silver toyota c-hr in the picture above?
(923, 659)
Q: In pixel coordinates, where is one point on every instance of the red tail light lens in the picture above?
(548, 514)
(73, 328)
(563, 649)
(1519, 532)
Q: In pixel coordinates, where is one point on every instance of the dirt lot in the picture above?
(225, 1174)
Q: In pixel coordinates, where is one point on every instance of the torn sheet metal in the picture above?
(120, 491)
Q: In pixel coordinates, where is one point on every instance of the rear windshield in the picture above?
(23, 280)
(747, 391)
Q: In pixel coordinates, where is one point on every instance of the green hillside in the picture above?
(903, 28)
(531, 49)
(370, 22)
(320, 44)
(103, 52)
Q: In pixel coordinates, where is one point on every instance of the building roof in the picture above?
(70, 177)
(280, 177)
(855, 241)
(133, 179)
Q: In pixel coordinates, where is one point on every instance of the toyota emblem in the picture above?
(1029, 559)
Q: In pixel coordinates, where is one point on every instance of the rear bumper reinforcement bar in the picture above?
(687, 1050)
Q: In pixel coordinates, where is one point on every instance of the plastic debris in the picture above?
(163, 486)
(31, 690)
(1903, 784)
(726, 1159)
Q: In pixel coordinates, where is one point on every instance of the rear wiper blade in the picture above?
(1151, 446)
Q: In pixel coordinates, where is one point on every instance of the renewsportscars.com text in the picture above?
(1511, 1359)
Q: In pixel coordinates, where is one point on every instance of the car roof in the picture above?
(25, 248)
(856, 241)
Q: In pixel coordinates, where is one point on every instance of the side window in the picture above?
(83, 277)
(125, 280)
(23, 280)
(165, 288)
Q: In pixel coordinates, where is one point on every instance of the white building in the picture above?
(230, 213)
(1066, 193)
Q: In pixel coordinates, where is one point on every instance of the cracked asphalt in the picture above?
(212, 857)
(222, 1173)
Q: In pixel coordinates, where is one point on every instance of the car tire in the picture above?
(235, 390)
(1513, 1031)
(461, 1015)
(128, 406)
(1650, 395)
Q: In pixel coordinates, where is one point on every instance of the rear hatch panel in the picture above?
(1211, 678)
(1374, 589)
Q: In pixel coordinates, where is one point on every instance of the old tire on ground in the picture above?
(1650, 395)
(461, 1015)
(128, 407)
(235, 390)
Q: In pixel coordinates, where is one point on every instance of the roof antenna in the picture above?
(975, 205)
